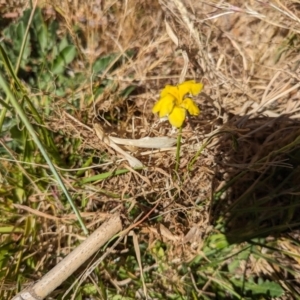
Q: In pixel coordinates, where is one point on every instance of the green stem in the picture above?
(178, 149)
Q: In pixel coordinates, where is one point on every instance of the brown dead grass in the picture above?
(246, 54)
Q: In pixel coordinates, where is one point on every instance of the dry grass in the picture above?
(246, 54)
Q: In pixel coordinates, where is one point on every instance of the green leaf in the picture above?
(267, 288)
(218, 241)
(20, 35)
(17, 134)
(102, 63)
(37, 18)
(65, 57)
(98, 91)
(43, 38)
(52, 31)
(5, 253)
(63, 44)
(90, 289)
(127, 91)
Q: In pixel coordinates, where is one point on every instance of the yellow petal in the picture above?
(190, 106)
(196, 88)
(164, 106)
(170, 90)
(177, 116)
(189, 87)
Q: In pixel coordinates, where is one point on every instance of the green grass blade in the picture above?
(103, 176)
(47, 139)
(37, 141)
(4, 111)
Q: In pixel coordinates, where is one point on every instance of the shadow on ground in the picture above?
(258, 169)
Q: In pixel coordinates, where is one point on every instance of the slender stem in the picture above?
(178, 149)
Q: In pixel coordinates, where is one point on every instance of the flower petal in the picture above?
(170, 90)
(177, 116)
(164, 106)
(190, 106)
(196, 88)
(189, 87)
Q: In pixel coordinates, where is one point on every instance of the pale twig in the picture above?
(73, 261)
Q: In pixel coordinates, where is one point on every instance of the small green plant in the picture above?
(222, 270)
(47, 56)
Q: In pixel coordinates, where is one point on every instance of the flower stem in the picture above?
(178, 149)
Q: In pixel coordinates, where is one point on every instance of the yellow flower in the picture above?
(173, 104)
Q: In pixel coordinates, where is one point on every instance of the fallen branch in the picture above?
(72, 262)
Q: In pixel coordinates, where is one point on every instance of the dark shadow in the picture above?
(258, 163)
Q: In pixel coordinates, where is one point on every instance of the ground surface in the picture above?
(226, 220)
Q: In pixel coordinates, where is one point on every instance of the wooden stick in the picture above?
(72, 261)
